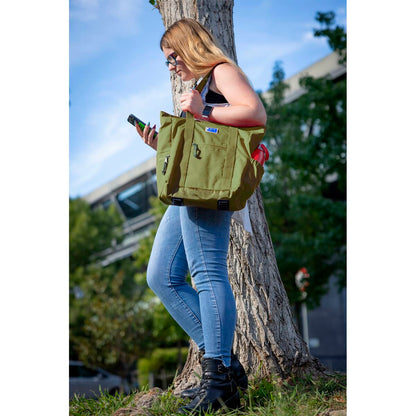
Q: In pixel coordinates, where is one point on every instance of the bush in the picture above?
(163, 363)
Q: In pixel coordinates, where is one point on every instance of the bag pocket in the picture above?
(211, 161)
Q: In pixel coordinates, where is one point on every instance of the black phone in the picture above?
(132, 119)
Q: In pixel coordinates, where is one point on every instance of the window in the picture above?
(134, 201)
(82, 371)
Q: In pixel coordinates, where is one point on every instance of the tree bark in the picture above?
(266, 340)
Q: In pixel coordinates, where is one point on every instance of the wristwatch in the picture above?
(206, 111)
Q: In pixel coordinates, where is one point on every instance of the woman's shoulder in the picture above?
(225, 68)
(224, 74)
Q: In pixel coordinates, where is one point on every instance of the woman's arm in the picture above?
(246, 108)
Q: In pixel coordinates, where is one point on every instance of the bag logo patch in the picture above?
(211, 130)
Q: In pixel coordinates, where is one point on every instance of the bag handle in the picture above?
(199, 87)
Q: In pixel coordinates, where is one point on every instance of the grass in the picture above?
(105, 404)
(299, 397)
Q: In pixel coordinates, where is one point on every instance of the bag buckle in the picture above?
(223, 205)
(177, 201)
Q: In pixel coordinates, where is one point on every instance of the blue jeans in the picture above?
(196, 239)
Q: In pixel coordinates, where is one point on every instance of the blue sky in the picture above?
(117, 68)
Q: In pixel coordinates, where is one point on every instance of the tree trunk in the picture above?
(266, 339)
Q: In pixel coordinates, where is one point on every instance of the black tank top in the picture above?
(213, 97)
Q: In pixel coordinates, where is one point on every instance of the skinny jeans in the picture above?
(196, 239)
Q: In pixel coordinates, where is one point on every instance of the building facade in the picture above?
(130, 193)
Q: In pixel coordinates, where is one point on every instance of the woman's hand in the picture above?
(148, 135)
(192, 102)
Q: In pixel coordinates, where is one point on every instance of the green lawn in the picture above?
(303, 397)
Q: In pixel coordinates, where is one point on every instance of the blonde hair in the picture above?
(196, 46)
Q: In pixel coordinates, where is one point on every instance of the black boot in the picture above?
(191, 393)
(239, 373)
(237, 370)
(217, 389)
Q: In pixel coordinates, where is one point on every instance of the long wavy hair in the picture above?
(196, 46)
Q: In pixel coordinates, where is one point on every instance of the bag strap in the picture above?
(199, 87)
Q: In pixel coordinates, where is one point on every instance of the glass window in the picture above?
(82, 371)
(134, 201)
(87, 372)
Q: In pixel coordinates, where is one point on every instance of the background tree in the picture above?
(111, 321)
(266, 340)
(336, 35)
(91, 232)
(305, 187)
(116, 328)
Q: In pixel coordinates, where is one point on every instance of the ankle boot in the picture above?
(191, 393)
(238, 373)
(217, 389)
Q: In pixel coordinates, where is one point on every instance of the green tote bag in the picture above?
(206, 164)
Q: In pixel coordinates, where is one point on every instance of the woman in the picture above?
(197, 239)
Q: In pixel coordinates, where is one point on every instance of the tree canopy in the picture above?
(304, 188)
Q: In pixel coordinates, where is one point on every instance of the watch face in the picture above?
(207, 111)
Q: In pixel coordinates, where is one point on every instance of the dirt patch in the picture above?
(141, 403)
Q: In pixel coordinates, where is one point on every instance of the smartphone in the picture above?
(132, 119)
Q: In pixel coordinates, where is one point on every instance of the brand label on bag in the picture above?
(211, 130)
